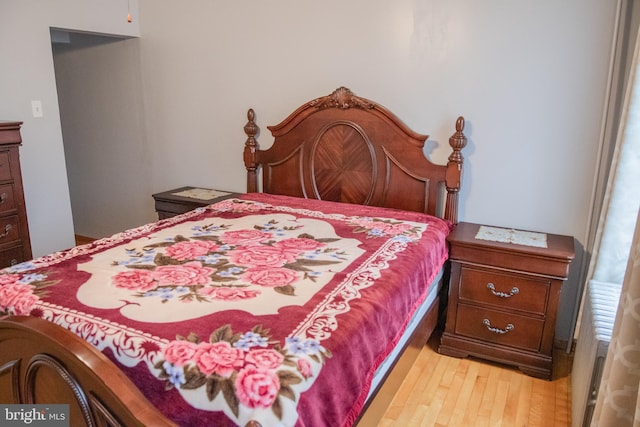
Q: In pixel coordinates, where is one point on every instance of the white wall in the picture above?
(27, 74)
(529, 77)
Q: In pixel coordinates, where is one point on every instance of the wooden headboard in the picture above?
(345, 148)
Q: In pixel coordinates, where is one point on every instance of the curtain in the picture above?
(618, 261)
(618, 401)
(622, 195)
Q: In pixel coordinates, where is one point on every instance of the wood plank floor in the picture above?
(81, 240)
(445, 391)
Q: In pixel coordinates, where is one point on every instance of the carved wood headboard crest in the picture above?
(342, 98)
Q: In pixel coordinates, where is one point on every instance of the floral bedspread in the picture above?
(265, 308)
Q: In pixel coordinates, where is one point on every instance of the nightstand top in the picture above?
(467, 233)
(467, 244)
(199, 195)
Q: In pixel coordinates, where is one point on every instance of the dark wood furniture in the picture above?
(338, 147)
(170, 203)
(15, 245)
(48, 364)
(345, 148)
(503, 299)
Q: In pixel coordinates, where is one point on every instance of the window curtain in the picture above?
(618, 261)
(618, 401)
(622, 195)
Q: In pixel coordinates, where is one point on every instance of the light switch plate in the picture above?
(36, 108)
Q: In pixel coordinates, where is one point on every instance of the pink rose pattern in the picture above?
(248, 369)
(244, 237)
(20, 293)
(180, 352)
(265, 358)
(377, 227)
(191, 273)
(249, 366)
(270, 276)
(228, 294)
(189, 250)
(257, 388)
(218, 357)
(262, 256)
(220, 264)
(142, 280)
(304, 367)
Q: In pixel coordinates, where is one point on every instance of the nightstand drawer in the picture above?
(515, 291)
(173, 209)
(5, 166)
(499, 327)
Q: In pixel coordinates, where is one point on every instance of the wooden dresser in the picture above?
(503, 296)
(15, 245)
(180, 200)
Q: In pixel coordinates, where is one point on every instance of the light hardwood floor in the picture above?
(446, 391)
(81, 240)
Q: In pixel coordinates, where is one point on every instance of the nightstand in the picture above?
(184, 199)
(503, 295)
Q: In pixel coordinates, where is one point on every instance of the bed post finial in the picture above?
(454, 171)
(250, 147)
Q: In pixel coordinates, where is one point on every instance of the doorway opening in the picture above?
(99, 97)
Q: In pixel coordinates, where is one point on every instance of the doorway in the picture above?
(100, 101)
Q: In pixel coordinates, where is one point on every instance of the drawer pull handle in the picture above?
(492, 288)
(3, 197)
(7, 230)
(490, 328)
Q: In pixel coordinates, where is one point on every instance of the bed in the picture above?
(297, 303)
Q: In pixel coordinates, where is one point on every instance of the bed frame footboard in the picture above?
(42, 363)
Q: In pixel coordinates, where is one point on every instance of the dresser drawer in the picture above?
(512, 291)
(9, 230)
(5, 166)
(7, 202)
(499, 327)
(12, 256)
